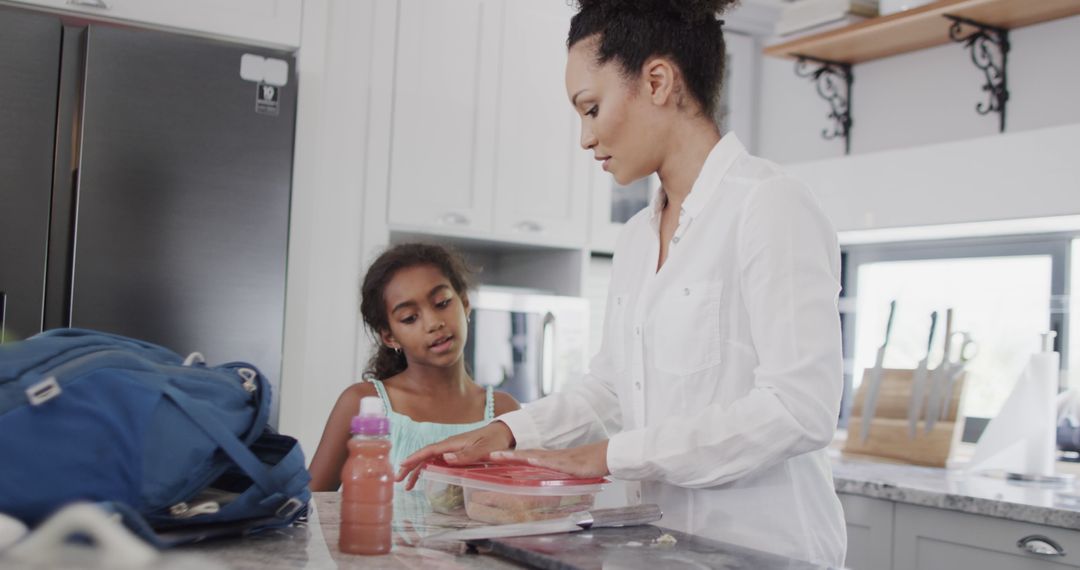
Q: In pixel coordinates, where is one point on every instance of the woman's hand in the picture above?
(463, 449)
(585, 461)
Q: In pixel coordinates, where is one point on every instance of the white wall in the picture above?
(924, 97)
(1026, 175)
(342, 85)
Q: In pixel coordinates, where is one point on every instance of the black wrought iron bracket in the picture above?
(833, 81)
(989, 47)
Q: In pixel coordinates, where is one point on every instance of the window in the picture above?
(1003, 292)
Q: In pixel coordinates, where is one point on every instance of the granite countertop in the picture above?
(314, 545)
(955, 490)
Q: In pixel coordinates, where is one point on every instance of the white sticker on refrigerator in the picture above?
(264, 69)
(266, 99)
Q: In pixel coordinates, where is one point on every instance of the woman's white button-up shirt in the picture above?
(719, 377)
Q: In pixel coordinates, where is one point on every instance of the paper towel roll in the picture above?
(1021, 439)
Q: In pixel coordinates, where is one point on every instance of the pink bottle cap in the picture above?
(372, 419)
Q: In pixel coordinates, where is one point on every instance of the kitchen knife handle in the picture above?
(625, 516)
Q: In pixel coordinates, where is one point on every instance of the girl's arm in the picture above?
(332, 451)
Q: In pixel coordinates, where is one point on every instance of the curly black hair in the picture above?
(632, 31)
(387, 362)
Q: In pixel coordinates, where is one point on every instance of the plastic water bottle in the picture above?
(367, 484)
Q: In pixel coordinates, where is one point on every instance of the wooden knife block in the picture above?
(889, 435)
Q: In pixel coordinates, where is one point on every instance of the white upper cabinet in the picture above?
(484, 142)
(541, 171)
(445, 94)
(274, 23)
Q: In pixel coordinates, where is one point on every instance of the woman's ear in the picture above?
(465, 304)
(660, 79)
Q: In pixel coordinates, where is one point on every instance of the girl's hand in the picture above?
(585, 461)
(463, 449)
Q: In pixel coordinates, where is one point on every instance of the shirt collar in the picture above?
(727, 150)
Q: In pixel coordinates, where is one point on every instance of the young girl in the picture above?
(415, 303)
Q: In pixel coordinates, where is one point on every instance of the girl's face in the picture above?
(619, 122)
(427, 317)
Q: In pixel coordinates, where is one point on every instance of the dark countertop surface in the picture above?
(634, 548)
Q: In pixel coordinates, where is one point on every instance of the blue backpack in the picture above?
(180, 450)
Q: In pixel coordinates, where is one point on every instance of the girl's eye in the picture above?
(593, 111)
(409, 319)
(443, 304)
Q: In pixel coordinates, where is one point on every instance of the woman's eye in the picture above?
(593, 111)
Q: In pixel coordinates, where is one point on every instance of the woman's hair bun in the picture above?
(690, 11)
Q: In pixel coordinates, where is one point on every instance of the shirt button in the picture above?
(675, 239)
(637, 385)
(686, 291)
(637, 331)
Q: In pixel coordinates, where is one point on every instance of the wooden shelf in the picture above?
(918, 28)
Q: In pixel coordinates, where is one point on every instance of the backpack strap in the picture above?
(227, 441)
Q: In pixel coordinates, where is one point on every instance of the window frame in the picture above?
(1058, 246)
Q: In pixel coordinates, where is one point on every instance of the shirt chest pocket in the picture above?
(686, 330)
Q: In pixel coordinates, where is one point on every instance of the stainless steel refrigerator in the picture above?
(144, 187)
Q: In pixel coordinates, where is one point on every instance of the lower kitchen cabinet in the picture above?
(932, 539)
(869, 532)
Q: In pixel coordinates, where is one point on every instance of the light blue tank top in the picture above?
(407, 435)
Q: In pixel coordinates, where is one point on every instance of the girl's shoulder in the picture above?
(351, 396)
(362, 389)
(504, 403)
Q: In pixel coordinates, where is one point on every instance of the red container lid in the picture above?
(514, 475)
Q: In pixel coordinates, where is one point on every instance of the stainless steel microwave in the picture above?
(527, 344)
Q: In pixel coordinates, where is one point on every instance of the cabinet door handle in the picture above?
(528, 226)
(99, 4)
(1040, 545)
(454, 219)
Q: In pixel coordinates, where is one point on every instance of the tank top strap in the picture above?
(489, 408)
(382, 394)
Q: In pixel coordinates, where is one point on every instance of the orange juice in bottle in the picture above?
(367, 484)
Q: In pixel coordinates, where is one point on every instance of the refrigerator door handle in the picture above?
(99, 4)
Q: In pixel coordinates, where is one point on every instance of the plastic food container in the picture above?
(500, 494)
(443, 487)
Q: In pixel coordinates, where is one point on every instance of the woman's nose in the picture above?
(588, 140)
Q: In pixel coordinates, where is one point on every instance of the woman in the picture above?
(718, 382)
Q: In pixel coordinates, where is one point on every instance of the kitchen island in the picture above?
(314, 545)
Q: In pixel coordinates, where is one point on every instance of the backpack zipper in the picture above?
(185, 511)
(207, 502)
